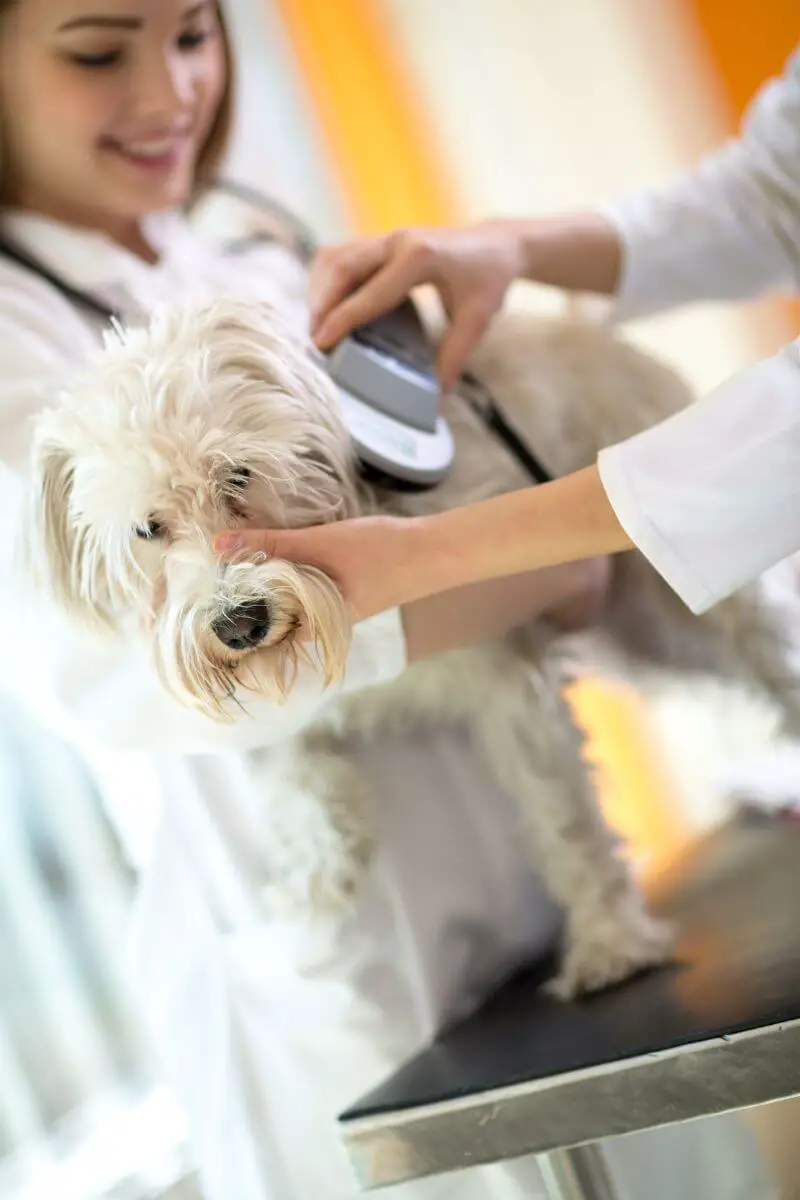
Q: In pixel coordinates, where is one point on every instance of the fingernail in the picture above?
(228, 543)
(322, 336)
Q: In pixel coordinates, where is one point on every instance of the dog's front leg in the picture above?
(318, 828)
(535, 750)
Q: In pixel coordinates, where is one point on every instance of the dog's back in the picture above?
(568, 387)
(572, 387)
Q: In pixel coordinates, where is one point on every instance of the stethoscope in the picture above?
(294, 235)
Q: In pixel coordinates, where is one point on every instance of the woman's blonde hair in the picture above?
(215, 146)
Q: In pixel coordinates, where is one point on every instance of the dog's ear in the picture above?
(54, 552)
(50, 548)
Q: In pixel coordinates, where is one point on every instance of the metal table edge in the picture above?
(662, 1087)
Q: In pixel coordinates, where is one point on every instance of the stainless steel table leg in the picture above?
(581, 1173)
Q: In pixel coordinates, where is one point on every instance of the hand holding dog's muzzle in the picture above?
(368, 558)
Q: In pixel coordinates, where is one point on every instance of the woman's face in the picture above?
(106, 104)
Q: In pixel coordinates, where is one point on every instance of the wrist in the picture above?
(460, 546)
(581, 253)
(432, 554)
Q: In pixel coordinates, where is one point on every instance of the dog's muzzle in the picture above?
(244, 626)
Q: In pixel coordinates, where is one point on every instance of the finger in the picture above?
(380, 293)
(468, 327)
(232, 544)
(335, 273)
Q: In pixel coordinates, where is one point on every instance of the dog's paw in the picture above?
(604, 948)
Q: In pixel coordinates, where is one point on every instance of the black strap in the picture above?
(495, 420)
(82, 299)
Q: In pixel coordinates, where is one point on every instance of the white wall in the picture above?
(277, 145)
(541, 107)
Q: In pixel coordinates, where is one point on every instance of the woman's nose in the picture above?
(164, 89)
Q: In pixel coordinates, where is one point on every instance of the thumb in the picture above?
(296, 545)
(231, 545)
(468, 326)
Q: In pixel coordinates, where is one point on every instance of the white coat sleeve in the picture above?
(712, 496)
(105, 691)
(727, 230)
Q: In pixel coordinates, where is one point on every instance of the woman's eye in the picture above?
(108, 59)
(152, 529)
(192, 41)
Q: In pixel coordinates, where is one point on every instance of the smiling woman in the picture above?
(110, 110)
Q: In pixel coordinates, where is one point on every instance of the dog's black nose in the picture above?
(243, 627)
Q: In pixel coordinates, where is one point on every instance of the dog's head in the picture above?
(215, 416)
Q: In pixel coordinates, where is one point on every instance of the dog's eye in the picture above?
(235, 489)
(152, 529)
(240, 477)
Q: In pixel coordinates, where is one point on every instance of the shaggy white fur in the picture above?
(217, 415)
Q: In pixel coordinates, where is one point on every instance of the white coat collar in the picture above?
(91, 261)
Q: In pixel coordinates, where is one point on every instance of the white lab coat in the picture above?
(712, 497)
(265, 1035)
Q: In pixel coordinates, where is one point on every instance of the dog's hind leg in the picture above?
(759, 634)
(751, 639)
(535, 750)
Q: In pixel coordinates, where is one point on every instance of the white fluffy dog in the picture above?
(218, 415)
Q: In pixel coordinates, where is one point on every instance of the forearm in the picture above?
(580, 252)
(565, 521)
(567, 595)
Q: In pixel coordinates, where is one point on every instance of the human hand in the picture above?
(471, 268)
(368, 558)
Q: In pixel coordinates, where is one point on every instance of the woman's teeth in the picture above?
(150, 149)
